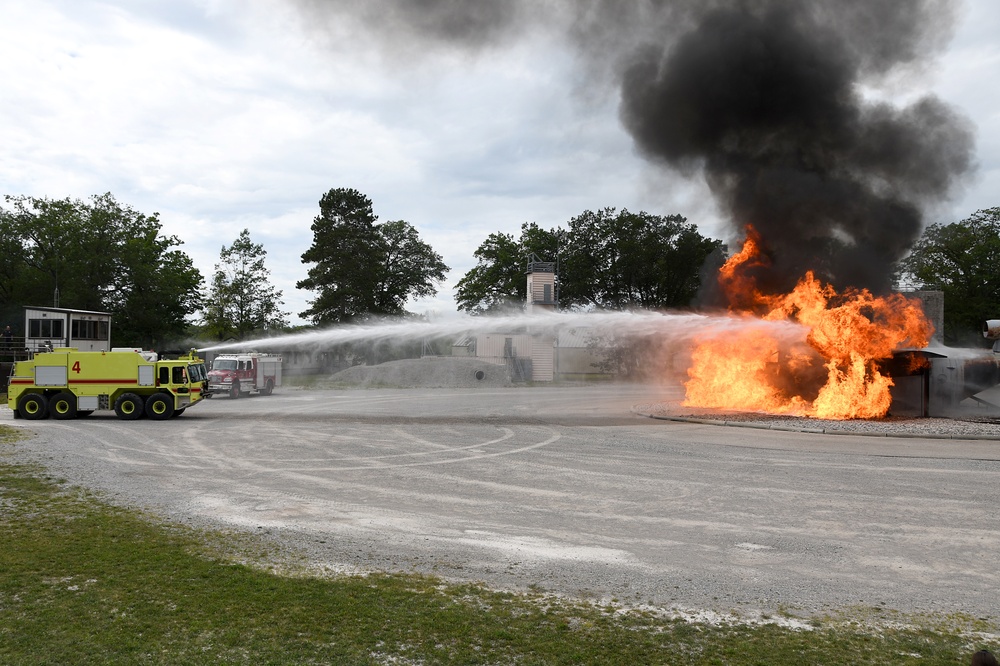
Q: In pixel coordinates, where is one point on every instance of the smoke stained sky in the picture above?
(224, 115)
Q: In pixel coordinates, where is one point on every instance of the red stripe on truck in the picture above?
(103, 381)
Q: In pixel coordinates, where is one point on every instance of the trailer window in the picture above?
(45, 328)
(83, 329)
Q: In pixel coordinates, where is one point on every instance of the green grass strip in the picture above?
(84, 582)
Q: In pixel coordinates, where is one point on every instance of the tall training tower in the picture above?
(541, 286)
(542, 298)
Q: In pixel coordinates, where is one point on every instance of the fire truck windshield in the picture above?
(224, 364)
(197, 372)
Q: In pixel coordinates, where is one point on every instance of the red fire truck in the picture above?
(235, 374)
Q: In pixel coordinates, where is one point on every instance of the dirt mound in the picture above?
(427, 372)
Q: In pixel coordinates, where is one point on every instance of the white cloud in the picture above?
(965, 78)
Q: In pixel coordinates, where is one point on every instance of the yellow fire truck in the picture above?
(66, 383)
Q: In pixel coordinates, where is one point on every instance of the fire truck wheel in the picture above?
(128, 406)
(33, 406)
(160, 406)
(63, 406)
(234, 392)
(268, 388)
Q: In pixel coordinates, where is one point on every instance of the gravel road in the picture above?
(568, 490)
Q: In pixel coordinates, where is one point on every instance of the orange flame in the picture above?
(832, 374)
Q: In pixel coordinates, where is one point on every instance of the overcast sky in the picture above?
(222, 115)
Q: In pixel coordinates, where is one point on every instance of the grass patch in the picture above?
(9, 435)
(84, 582)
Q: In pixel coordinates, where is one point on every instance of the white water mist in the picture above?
(676, 327)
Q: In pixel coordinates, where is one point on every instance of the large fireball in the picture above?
(832, 374)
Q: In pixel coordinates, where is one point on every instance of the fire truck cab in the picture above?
(236, 374)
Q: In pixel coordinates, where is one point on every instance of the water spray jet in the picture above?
(675, 327)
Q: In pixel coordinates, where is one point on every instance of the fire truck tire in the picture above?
(234, 392)
(33, 406)
(63, 406)
(160, 406)
(268, 388)
(128, 406)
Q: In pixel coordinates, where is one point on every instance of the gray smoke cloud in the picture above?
(764, 97)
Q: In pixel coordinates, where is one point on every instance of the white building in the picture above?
(542, 355)
(61, 327)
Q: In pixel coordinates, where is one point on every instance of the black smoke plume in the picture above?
(766, 98)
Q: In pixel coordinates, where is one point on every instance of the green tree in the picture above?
(99, 255)
(961, 260)
(409, 268)
(362, 269)
(241, 299)
(345, 254)
(497, 282)
(13, 270)
(620, 260)
(52, 236)
(154, 292)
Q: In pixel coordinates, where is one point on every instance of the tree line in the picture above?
(97, 255)
(102, 255)
(606, 259)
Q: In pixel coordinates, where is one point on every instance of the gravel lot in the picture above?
(973, 424)
(574, 490)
